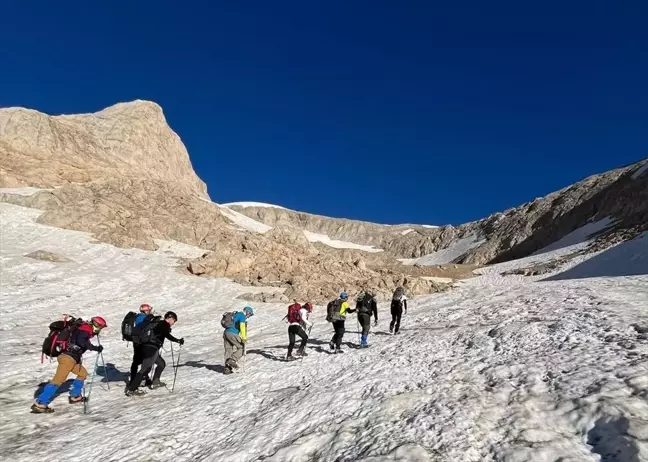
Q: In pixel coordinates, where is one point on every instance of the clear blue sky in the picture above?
(421, 112)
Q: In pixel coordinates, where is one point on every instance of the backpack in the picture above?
(128, 325)
(60, 334)
(143, 333)
(227, 320)
(332, 310)
(294, 316)
(364, 304)
(398, 293)
(397, 304)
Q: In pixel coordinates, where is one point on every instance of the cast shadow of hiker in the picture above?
(199, 364)
(266, 354)
(112, 374)
(64, 388)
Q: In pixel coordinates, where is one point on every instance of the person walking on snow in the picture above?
(336, 313)
(145, 314)
(235, 337)
(366, 306)
(152, 338)
(298, 320)
(70, 361)
(399, 301)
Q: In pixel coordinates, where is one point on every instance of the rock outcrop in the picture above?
(620, 194)
(123, 175)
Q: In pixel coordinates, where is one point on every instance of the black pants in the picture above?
(137, 362)
(149, 354)
(396, 313)
(339, 333)
(292, 332)
(365, 321)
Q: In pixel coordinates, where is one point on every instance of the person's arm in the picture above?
(243, 331)
(164, 330)
(374, 309)
(405, 304)
(304, 316)
(83, 341)
(346, 308)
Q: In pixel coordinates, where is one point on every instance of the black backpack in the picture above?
(128, 326)
(331, 310)
(397, 304)
(364, 304)
(60, 334)
(144, 332)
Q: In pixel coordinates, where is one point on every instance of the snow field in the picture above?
(501, 369)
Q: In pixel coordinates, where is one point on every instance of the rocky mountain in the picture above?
(620, 195)
(123, 175)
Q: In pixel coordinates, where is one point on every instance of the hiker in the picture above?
(336, 314)
(145, 314)
(399, 301)
(69, 361)
(366, 306)
(235, 336)
(151, 339)
(298, 323)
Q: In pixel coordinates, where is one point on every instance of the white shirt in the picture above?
(304, 319)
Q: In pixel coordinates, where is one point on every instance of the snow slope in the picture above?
(502, 369)
(324, 239)
(244, 221)
(578, 236)
(253, 204)
(446, 255)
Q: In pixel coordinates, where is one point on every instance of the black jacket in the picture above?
(367, 306)
(80, 342)
(161, 331)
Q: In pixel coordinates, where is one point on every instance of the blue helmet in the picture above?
(344, 296)
(248, 310)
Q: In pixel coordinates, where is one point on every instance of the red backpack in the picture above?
(293, 313)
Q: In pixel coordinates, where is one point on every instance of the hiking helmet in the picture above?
(309, 307)
(145, 307)
(249, 311)
(344, 296)
(98, 323)
(171, 314)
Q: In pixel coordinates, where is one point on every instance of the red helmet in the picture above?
(98, 322)
(309, 307)
(145, 306)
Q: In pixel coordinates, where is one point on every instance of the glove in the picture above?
(99, 348)
(376, 322)
(181, 341)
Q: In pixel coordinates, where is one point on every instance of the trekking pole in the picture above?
(175, 374)
(302, 356)
(104, 364)
(86, 398)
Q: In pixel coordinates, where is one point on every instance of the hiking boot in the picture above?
(156, 384)
(391, 330)
(290, 358)
(231, 364)
(147, 382)
(136, 392)
(76, 399)
(302, 353)
(338, 351)
(332, 345)
(38, 408)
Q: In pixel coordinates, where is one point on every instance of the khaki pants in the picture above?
(233, 346)
(67, 364)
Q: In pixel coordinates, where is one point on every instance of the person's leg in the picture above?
(149, 354)
(339, 331)
(291, 339)
(63, 369)
(304, 339)
(236, 345)
(160, 364)
(399, 313)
